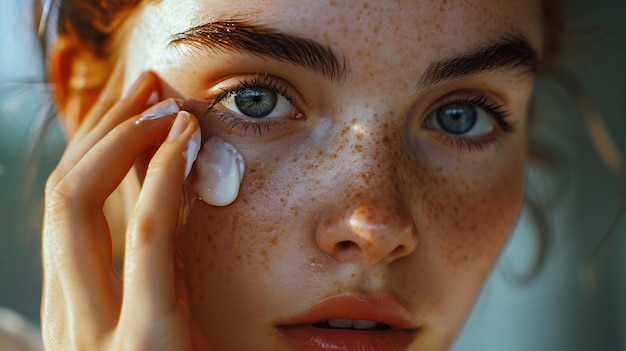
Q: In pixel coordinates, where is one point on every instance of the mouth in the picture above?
(350, 323)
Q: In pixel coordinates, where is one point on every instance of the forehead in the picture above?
(372, 36)
(423, 24)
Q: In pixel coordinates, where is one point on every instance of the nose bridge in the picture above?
(373, 148)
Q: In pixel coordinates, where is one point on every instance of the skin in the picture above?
(359, 197)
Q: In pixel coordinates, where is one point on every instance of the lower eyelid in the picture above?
(234, 124)
(469, 144)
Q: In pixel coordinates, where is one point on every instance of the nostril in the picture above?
(346, 245)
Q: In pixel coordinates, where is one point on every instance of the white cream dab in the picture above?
(220, 168)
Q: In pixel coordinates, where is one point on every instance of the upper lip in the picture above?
(382, 309)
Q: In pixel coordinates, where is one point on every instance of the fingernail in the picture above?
(164, 108)
(136, 85)
(180, 124)
(191, 153)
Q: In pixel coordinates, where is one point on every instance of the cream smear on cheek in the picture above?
(220, 167)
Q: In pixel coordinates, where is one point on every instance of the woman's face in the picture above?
(384, 164)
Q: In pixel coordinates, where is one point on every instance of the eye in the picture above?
(469, 117)
(255, 105)
(258, 102)
(463, 119)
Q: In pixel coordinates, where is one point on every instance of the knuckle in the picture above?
(59, 194)
(53, 179)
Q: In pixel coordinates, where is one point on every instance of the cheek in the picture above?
(464, 212)
(473, 216)
(467, 204)
(225, 250)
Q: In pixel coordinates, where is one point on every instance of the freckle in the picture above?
(295, 210)
(276, 159)
(274, 241)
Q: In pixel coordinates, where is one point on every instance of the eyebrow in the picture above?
(506, 53)
(240, 36)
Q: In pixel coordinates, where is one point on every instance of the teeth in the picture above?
(361, 324)
(351, 323)
(340, 323)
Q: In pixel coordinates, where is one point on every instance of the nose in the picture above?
(367, 219)
(369, 233)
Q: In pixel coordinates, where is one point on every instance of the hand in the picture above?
(85, 306)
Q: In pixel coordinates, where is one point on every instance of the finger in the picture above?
(105, 164)
(143, 93)
(110, 94)
(149, 279)
(77, 281)
(76, 239)
(124, 109)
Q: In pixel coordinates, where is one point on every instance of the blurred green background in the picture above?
(555, 311)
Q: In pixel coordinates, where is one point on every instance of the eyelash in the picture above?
(243, 125)
(495, 110)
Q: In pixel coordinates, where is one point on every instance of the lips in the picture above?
(351, 323)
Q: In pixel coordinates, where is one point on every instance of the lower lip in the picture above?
(309, 338)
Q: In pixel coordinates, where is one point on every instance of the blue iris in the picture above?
(457, 118)
(256, 102)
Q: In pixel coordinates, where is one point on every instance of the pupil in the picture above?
(256, 102)
(457, 118)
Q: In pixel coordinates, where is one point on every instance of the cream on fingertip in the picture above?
(220, 168)
(191, 153)
(164, 108)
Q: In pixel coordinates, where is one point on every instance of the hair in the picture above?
(93, 24)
